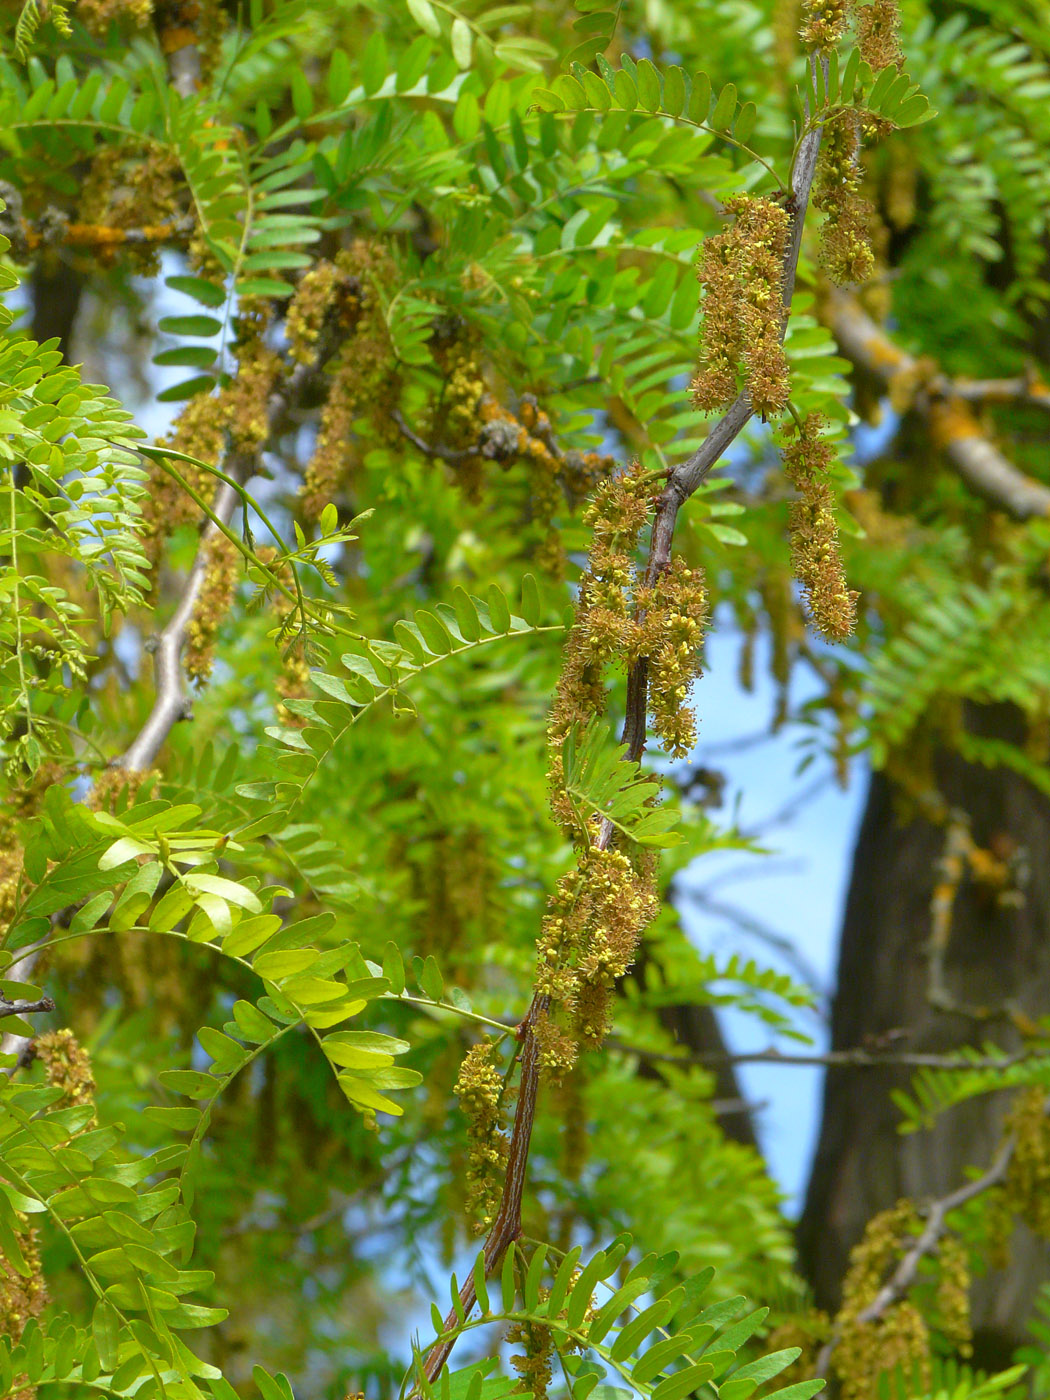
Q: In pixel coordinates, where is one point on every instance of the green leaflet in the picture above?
(599, 780)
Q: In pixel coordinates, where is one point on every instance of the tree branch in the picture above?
(24, 1008)
(952, 424)
(681, 484)
(925, 1243)
(856, 1058)
(172, 702)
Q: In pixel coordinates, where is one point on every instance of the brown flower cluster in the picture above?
(823, 23)
(10, 875)
(213, 603)
(604, 630)
(878, 34)
(675, 610)
(808, 1331)
(590, 935)
(21, 1297)
(97, 15)
(479, 1088)
(741, 272)
(328, 293)
(534, 1363)
(953, 1294)
(293, 684)
(900, 1337)
(845, 238)
(68, 1066)
(618, 621)
(114, 784)
(814, 535)
(1027, 1187)
(363, 377)
(236, 418)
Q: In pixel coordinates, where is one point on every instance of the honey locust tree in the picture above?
(337, 939)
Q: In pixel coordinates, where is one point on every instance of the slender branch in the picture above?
(429, 449)
(1025, 389)
(925, 1243)
(856, 1058)
(172, 701)
(681, 484)
(938, 400)
(53, 230)
(24, 1008)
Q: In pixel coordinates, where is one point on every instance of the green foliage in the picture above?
(596, 782)
(353, 828)
(934, 1091)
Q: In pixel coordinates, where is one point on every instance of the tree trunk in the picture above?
(998, 955)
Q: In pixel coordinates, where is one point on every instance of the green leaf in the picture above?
(207, 293)
(683, 1382)
(190, 1082)
(530, 601)
(394, 968)
(674, 91)
(461, 42)
(648, 80)
(423, 14)
(189, 325)
(430, 979)
(302, 97)
(105, 1330)
(724, 108)
(700, 98)
(198, 356)
(188, 389)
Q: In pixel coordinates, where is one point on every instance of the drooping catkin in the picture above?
(815, 555)
(741, 272)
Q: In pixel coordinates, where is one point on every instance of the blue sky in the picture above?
(798, 891)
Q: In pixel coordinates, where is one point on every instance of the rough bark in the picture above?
(996, 956)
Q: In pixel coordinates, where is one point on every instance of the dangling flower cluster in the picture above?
(328, 292)
(814, 535)
(603, 631)
(534, 1364)
(589, 938)
(245, 401)
(293, 684)
(21, 1296)
(1027, 1187)
(900, 1336)
(954, 1321)
(742, 273)
(363, 375)
(807, 1331)
(213, 603)
(878, 34)
(236, 417)
(845, 240)
(68, 1066)
(97, 15)
(114, 784)
(675, 610)
(823, 23)
(10, 874)
(479, 1087)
